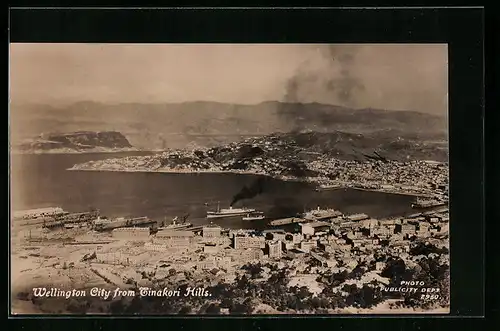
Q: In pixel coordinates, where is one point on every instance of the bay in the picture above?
(42, 181)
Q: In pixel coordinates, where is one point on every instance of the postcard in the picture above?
(226, 179)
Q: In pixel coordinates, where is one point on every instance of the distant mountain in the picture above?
(75, 142)
(210, 123)
(374, 146)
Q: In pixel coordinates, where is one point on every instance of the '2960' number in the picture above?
(429, 296)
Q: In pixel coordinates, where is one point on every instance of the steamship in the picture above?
(229, 212)
(176, 224)
(105, 224)
(426, 203)
(255, 216)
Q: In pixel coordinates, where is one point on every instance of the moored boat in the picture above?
(229, 212)
(254, 217)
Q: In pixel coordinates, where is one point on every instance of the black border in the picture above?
(460, 28)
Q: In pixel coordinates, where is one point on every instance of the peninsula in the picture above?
(333, 159)
(75, 142)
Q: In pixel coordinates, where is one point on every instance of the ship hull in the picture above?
(253, 218)
(124, 224)
(177, 227)
(424, 206)
(287, 221)
(225, 215)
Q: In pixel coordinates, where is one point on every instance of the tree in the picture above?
(357, 272)
(426, 249)
(242, 282)
(213, 309)
(117, 307)
(395, 269)
(199, 154)
(135, 306)
(241, 308)
(185, 310)
(303, 293)
(254, 270)
(226, 303)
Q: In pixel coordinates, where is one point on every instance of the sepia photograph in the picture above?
(228, 179)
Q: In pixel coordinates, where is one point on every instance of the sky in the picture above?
(388, 76)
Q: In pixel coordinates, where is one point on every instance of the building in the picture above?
(250, 254)
(344, 247)
(349, 225)
(155, 247)
(297, 238)
(175, 238)
(359, 242)
(326, 246)
(286, 245)
(379, 266)
(314, 227)
(279, 236)
(306, 230)
(357, 234)
(211, 231)
(210, 248)
(341, 241)
(223, 262)
(387, 222)
(115, 258)
(36, 233)
(244, 242)
(357, 217)
(207, 264)
(239, 232)
(274, 249)
(324, 262)
(370, 223)
(306, 246)
(131, 233)
(382, 231)
(408, 229)
(294, 253)
(273, 231)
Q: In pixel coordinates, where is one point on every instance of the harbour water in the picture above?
(42, 181)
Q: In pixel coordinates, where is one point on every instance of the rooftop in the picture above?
(169, 233)
(316, 224)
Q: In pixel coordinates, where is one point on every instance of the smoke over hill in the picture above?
(206, 124)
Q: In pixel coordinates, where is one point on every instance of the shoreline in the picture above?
(194, 172)
(59, 152)
(412, 194)
(253, 173)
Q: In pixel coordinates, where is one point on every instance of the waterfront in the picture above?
(42, 181)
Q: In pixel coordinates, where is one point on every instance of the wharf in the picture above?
(194, 228)
(290, 220)
(102, 242)
(395, 191)
(324, 216)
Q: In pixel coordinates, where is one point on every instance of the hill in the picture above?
(205, 124)
(74, 142)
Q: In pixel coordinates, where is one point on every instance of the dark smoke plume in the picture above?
(345, 85)
(334, 79)
(285, 207)
(249, 192)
